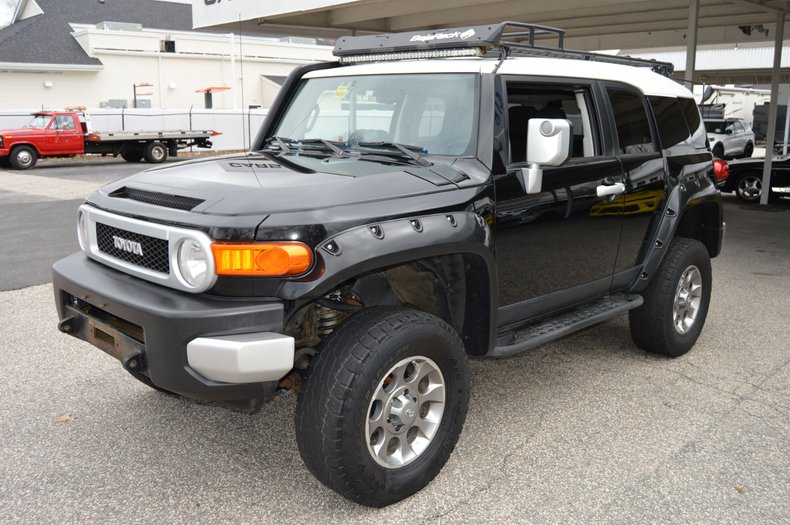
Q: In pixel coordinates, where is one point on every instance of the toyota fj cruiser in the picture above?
(427, 197)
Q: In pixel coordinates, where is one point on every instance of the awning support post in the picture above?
(772, 109)
(691, 42)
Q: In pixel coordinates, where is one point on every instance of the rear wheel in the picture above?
(155, 152)
(748, 150)
(132, 155)
(23, 157)
(383, 405)
(676, 301)
(749, 187)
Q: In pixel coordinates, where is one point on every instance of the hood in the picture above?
(258, 184)
(22, 132)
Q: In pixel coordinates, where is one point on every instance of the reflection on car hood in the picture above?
(260, 184)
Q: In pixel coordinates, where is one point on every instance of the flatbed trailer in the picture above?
(67, 133)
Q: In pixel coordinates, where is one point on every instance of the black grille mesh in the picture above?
(155, 251)
(166, 200)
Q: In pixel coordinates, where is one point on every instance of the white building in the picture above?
(58, 53)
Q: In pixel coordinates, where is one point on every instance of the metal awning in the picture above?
(591, 24)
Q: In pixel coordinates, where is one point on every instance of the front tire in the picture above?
(383, 405)
(23, 158)
(718, 151)
(676, 301)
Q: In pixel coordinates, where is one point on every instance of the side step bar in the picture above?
(534, 335)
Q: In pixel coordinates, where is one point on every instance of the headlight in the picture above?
(192, 263)
(82, 230)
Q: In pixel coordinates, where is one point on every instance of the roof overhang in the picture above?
(20, 67)
(590, 24)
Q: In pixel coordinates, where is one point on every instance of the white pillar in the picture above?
(787, 124)
(691, 42)
(232, 70)
(159, 80)
(772, 109)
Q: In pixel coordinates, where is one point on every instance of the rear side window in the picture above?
(672, 128)
(633, 127)
(694, 121)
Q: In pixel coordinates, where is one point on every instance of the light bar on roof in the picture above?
(413, 55)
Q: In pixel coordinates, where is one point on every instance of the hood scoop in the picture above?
(154, 198)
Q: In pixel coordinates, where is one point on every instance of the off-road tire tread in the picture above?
(322, 407)
(651, 324)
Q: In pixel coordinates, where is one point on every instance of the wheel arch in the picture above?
(692, 211)
(444, 268)
(701, 222)
(16, 145)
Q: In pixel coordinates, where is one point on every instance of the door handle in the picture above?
(610, 189)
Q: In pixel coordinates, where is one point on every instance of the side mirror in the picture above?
(548, 144)
(728, 131)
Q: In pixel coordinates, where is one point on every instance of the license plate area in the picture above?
(106, 332)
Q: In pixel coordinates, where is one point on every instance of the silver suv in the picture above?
(730, 137)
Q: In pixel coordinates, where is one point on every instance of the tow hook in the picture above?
(133, 363)
(68, 325)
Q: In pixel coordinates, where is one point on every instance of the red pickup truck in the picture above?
(66, 133)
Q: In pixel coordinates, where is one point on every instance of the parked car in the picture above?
(746, 177)
(401, 211)
(730, 138)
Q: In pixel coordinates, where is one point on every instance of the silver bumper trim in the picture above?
(244, 358)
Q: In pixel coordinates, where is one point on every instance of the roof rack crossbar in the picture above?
(476, 40)
(532, 30)
(664, 68)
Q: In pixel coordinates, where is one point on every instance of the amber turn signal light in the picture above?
(261, 258)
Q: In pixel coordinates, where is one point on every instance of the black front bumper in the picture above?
(147, 326)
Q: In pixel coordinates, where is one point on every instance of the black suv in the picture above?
(429, 196)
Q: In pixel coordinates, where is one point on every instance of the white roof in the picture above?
(642, 78)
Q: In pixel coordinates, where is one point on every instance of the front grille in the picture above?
(166, 200)
(155, 252)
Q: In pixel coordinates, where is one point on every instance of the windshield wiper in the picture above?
(405, 149)
(282, 143)
(337, 150)
(286, 145)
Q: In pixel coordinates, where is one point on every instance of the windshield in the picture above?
(39, 121)
(436, 112)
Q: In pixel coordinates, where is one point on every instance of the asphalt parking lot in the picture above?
(588, 429)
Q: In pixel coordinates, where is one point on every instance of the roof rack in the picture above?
(505, 38)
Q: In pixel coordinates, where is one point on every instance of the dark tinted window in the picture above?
(715, 126)
(633, 128)
(694, 121)
(671, 123)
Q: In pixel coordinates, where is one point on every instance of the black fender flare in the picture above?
(688, 195)
(376, 246)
